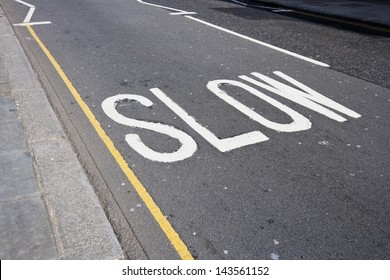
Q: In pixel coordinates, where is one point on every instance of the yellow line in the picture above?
(169, 231)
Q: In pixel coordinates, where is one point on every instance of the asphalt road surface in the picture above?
(254, 134)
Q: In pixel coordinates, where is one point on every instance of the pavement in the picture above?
(48, 207)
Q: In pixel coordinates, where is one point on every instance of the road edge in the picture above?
(370, 23)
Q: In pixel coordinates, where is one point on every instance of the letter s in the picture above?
(188, 145)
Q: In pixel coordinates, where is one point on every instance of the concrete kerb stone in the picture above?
(33, 104)
(81, 229)
(20, 73)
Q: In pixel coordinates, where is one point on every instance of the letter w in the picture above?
(306, 96)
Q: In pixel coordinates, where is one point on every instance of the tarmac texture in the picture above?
(48, 208)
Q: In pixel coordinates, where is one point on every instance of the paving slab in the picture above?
(7, 109)
(34, 105)
(82, 231)
(17, 177)
(28, 235)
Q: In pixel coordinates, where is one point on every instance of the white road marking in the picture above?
(260, 42)
(282, 11)
(222, 145)
(242, 36)
(30, 12)
(24, 3)
(300, 94)
(182, 13)
(188, 145)
(32, 23)
(306, 97)
(299, 122)
(317, 97)
(160, 6)
(238, 2)
(29, 15)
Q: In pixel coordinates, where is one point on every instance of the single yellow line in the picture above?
(169, 231)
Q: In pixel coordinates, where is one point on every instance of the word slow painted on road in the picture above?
(300, 94)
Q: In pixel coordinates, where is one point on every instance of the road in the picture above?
(219, 131)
